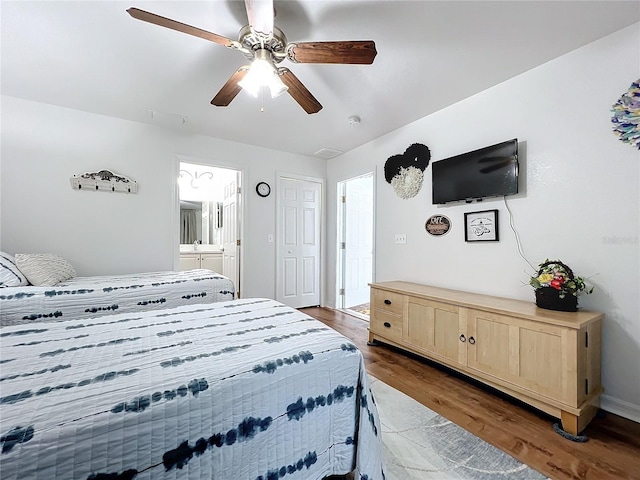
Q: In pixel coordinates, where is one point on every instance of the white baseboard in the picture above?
(620, 407)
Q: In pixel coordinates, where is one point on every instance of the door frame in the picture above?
(176, 207)
(341, 231)
(293, 176)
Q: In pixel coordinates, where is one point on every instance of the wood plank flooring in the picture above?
(612, 452)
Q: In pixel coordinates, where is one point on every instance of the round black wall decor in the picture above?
(263, 189)
(437, 225)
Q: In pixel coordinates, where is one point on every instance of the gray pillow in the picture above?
(44, 269)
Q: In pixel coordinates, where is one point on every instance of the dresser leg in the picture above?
(569, 423)
(572, 424)
(372, 341)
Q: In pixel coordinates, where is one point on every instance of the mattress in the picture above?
(86, 297)
(247, 389)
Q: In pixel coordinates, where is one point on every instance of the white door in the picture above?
(358, 240)
(231, 232)
(298, 247)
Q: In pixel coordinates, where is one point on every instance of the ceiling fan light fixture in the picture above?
(266, 45)
(276, 86)
(262, 73)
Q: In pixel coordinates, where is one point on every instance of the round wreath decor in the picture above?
(625, 116)
(408, 182)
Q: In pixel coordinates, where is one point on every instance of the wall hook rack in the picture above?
(104, 181)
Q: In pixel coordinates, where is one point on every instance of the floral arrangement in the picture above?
(557, 275)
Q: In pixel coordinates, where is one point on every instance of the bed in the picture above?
(246, 389)
(85, 297)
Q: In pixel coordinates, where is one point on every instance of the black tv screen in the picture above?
(486, 172)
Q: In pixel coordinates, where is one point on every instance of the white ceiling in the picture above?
(92, 56)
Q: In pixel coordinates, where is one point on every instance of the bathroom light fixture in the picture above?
(195, 180)
(263, 73)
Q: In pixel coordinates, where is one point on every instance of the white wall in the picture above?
(579, 199)
(104, 233)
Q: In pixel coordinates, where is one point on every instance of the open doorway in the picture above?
(210, 219)
(355, 248)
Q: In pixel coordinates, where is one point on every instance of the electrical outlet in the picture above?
(401, 238)
(270, 238)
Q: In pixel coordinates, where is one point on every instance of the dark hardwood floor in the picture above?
(612, 451)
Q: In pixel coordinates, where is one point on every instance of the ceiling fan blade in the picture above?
(180, 27)
(299, 92)
(359, 51)
(230, 89)
(260, 15)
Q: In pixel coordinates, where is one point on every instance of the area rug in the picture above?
(419, 444)
(364, 309)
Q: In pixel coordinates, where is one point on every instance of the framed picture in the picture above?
(481, 226)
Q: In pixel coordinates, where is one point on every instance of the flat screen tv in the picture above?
(487, 172)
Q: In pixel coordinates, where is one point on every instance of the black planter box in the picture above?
(549, 298)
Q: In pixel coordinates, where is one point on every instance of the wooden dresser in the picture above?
(548, 359)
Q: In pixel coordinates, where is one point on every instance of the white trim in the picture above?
(620, 407)
(353, 313)
(341, 190)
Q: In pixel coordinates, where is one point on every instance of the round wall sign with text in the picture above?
(437, 225)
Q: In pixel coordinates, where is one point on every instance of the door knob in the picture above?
(472, 340)
(463, 338)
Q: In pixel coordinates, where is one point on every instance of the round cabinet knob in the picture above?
(387, 302)
(387, 324)
(472, 340)
(463, 338)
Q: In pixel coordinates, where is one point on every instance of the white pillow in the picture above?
(10, 274)
(44, 269)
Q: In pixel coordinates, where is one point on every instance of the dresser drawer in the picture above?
(386, 325)
(387, 301)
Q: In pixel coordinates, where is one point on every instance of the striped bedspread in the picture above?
(86, 297)
(247, 389)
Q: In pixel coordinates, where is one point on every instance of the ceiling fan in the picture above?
(266, 46)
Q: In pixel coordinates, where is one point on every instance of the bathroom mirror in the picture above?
(202, 190)
(200, 221)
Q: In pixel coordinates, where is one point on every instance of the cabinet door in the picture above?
(212, 261)
(189, 261)
(435, 328)
(535, 356)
